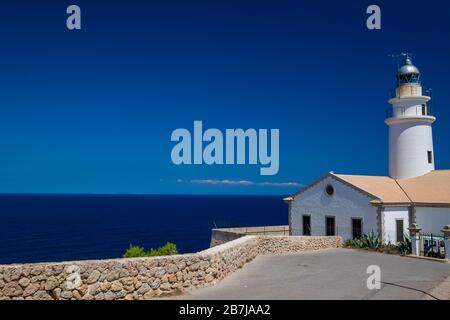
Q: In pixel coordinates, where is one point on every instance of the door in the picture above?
(399, 230)
(330, 224)
(356, 228)
(306, 225)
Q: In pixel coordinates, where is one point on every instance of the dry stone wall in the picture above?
(144, 278)
(283, 245)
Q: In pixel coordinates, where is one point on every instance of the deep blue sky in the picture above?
(92, 111)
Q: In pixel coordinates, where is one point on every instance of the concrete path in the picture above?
(328, 274)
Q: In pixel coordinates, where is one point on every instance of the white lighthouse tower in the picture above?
(410, 122)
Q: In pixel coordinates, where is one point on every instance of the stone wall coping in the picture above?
(117, 260)
(302, 237)
(227, 245)
(253, 229)
(210, 251)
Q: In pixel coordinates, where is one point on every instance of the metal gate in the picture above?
(432, 246)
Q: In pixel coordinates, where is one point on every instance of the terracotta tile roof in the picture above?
(432, 188)
(384, 188)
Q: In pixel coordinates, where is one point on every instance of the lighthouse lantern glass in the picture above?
(411, 78)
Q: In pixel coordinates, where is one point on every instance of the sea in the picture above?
(50, 228)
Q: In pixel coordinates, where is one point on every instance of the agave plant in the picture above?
(367, 241)
(372, 241)
(405, 247)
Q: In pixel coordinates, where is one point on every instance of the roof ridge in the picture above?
(354, 186)
(406, 194)
(383, 181)
(359, 175)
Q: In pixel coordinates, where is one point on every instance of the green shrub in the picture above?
(367, 241)
(136, 251)
(405, 247)
(348, 243)
(373, 242)
(167, 250)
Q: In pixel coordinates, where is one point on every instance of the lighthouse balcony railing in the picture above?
(409, 112)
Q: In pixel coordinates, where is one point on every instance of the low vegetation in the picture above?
(136, 251)
(372, 242)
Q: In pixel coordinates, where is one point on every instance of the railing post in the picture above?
(414, 232)
(446, 231)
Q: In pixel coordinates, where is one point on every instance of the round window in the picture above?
(329, 190)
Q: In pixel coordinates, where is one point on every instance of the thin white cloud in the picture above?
(282, 184)
(227, 182)
(223, 182)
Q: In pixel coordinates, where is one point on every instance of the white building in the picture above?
(414, 192)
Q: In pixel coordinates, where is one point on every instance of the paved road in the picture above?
(328, 274)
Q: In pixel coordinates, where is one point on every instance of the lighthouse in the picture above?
(410, 122)
(413, 193)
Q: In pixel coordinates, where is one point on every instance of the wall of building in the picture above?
(144, 278)
(346, 203)
(432, 219)
(391, 215)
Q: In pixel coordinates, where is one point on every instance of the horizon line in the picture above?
(141, 194)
